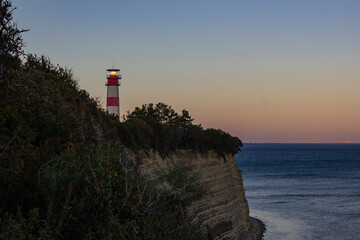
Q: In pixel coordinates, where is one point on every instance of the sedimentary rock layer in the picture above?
(224, 210)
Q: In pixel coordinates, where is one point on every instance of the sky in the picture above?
(264, 71)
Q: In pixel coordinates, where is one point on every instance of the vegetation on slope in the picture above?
(65, 172)
(160, 128)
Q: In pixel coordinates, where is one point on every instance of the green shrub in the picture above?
(182, 182)
(26, 228)
(159, 127)
(99, 193)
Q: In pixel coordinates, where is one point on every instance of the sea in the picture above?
(303, 191)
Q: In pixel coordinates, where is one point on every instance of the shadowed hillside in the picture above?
(66, 167)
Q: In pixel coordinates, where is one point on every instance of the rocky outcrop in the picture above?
(224, 210)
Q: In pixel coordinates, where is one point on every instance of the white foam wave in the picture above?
(281, 228)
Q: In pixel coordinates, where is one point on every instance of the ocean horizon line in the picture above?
(301, 143)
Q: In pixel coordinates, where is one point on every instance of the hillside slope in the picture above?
(224, 210)
(66, 170)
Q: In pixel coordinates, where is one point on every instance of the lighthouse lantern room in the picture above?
(113, 83)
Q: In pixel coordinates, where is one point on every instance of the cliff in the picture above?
(224, 210)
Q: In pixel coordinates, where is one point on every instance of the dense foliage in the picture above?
(99, 194)
(65, 172)
(160, 128)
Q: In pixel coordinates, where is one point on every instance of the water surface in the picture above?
(303, 191)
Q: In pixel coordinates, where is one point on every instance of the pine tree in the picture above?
(11, 41)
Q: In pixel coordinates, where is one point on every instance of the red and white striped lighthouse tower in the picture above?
(113, 83)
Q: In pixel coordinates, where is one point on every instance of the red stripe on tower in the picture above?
(112, 101)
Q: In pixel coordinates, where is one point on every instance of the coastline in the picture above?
(256, 230)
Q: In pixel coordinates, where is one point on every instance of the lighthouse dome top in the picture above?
(113, 70)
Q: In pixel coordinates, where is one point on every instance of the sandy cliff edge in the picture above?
(224, 210)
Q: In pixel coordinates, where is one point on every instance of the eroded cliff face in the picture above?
(224, 210)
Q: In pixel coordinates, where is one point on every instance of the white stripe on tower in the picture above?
(113, 109)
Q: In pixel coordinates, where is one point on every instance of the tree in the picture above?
(11, 42)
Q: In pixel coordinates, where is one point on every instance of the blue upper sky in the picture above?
(266, 71)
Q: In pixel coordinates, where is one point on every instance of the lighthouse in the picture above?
(113, 83)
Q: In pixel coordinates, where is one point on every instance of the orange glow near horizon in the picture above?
(283, 109)
(283, 71)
